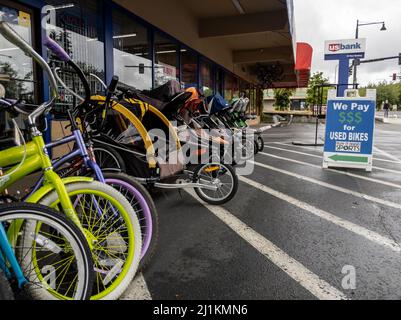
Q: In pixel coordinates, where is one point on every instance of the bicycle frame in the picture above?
(80, 151)
(9, 257)
(36, 159)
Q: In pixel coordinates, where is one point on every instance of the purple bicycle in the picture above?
(81, 161)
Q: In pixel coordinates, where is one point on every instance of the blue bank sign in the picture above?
(349, 130)
(344, 50)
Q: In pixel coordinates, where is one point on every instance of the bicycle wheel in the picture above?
(145, 209)
(222, 176)
(5, 290)
(112, 226)
(109, 159)
(52, 252)
(260, 143)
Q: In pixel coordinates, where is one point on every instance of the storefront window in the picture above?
(79, 31)
(166, 60)
(16, 69)
(207, 78)
(132, 61)
(17, 72)
(189, 66)
(231, 89)
(219, 81)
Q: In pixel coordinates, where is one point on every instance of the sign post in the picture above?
(349, 130)
(344, 51)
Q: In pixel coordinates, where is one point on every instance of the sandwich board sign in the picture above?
(350, 126)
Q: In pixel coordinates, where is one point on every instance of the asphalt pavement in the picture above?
(293, 231)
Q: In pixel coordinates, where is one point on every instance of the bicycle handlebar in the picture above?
(112, 88)
(9, 33)
(56, 49)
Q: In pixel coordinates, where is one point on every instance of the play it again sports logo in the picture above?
(345, 46)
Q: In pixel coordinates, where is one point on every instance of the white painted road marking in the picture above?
(331, 186)
(137, 290)
(390, 184)
(320, 149)
(306, 278)
(321, 157)
(390, 156)
(361, 231)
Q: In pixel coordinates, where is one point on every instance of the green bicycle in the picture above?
(105, 217)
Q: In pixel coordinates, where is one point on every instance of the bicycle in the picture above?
(81, 161)
(105, 217)
(64, 268)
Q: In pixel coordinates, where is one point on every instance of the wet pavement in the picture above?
(293, 231)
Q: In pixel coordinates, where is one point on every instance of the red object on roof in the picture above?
(303, 63)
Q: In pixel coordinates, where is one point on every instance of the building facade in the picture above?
(216, 46)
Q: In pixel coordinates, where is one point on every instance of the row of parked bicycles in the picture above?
(88, 224)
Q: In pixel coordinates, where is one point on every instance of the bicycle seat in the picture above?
(176, 103)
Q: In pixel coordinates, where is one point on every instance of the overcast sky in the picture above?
(320, 20)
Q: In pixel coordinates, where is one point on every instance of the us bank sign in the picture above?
(344, 50)
(351, 48)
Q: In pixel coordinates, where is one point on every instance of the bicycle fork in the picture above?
(9, 256)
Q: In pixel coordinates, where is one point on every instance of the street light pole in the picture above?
(355, 79)
(383, 28)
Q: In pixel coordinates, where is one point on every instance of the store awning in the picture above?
(303, 63)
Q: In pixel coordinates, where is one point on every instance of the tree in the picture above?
(385, 91)
(14, 88)
(282, 98)
(312, 94)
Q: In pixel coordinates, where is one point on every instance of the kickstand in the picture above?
(179, 192)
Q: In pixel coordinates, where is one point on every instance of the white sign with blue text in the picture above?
(350, 123)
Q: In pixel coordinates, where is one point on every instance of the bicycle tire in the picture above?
(149, 218)
(260, 143)
(130, 266)
(33, 214)
(101, 151)
(201, 194)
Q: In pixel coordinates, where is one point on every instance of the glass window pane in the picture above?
(231, 89)
(189, 63)
(219, 81)
(79, 31)
(16, 69)
(132, 63)
(166, 60)
(207, 78)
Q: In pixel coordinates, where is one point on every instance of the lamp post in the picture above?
(360, 24)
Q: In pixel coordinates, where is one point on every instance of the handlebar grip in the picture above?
(113, 84)
(54, 47)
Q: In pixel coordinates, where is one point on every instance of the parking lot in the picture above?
(290, 232)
